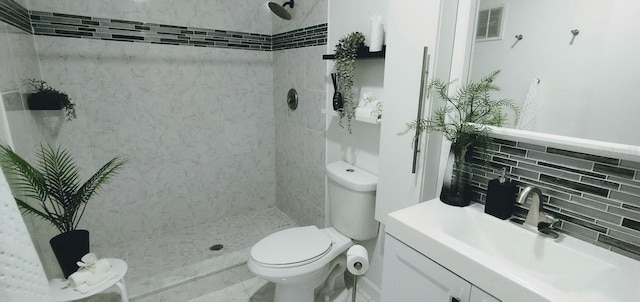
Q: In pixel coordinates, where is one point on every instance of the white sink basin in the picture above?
(512, 263)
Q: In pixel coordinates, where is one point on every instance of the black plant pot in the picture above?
(69, 248)
(45, 101)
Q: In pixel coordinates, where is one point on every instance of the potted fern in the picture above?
(463, 120)
(54, 185)
(46, 97)
(346, 51)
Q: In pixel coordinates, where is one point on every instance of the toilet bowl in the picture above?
(298, 260)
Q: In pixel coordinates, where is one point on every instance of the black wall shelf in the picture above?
(362, 53)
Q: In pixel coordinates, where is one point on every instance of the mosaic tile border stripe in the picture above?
(63, 25)
(597, 198)
(86, 27)
(14, 14)
(304, 37)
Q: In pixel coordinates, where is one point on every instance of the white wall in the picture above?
(361, 147)
(586, 87)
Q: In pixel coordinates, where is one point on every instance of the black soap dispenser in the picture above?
(501, 197)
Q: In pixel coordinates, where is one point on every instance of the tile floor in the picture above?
(179, 267)
(259, 290)
(184, 255)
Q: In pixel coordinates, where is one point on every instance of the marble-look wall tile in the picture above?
(241, 15)
(8, 78)
(197, 125)
(17, 58)
(304, 14)
(18, 61)
(200, 126)
(300, 140)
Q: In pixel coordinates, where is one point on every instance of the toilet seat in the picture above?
(291, 247)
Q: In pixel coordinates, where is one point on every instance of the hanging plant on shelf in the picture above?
(463, 120)
(46, 97)
(345, 68)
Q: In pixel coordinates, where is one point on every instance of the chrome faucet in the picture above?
(536, 218)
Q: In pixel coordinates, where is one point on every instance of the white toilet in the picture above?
(300, 259)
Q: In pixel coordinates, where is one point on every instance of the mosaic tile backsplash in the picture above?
(87, 27)
(597, 198)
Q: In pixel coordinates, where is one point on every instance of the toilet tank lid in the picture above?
(352, 177)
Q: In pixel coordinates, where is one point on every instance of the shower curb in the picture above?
(181, 276)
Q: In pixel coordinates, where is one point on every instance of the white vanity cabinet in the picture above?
(410, 276)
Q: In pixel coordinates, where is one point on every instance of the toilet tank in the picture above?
(352, 200)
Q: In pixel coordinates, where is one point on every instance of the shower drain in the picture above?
(216, 247)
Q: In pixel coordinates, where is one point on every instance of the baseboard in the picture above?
(370, 288)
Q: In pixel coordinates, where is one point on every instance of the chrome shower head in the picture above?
(279, 9)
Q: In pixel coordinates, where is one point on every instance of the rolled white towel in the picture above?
(378, 105)
(367, 112)
(101, 266)
(79, 277)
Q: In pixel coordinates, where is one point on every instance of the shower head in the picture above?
(279, 9)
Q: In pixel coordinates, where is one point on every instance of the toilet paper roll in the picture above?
(357, 260)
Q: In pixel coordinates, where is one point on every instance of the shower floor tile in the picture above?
(185, 249)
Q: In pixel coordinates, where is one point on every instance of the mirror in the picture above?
(585, 54)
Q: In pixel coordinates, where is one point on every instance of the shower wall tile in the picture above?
(304, 37)
(196, 131)
(315, 120)
(595, 196)
(87, 27)
(304, 14)
(8, 78)
(300, 134)
(241, 15)
(199, 124)
(112, 22)
(15, 14)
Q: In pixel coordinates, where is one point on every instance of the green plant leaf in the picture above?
(346, 50)
(54, 182)
(465, 114)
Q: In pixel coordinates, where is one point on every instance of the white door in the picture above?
(412, 26)
(406, 179)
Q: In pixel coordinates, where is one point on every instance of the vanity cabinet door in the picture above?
(410, 276)
(478, 295)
